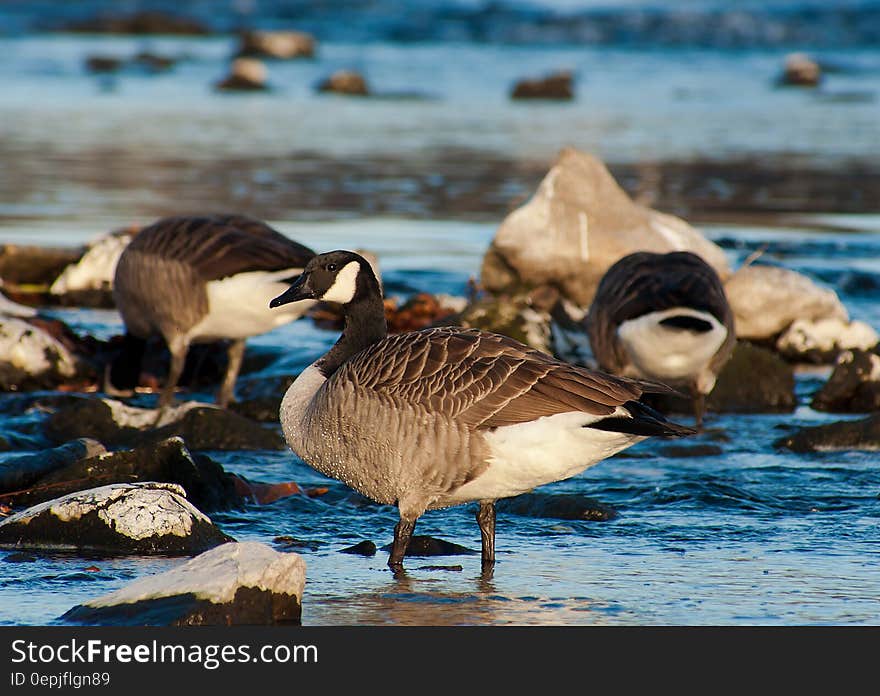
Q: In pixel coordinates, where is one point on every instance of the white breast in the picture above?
(667, 353)
(295, 402)
(239, 305)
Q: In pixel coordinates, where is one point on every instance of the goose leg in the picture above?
(178, 351)
(486, 520)
(233, 365)
(699, 409)
(402, 534)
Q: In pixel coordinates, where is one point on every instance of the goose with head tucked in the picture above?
(444, 416)
(193, 279)
(663, 317)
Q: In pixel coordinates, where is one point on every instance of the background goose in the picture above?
(444, 416)
(197, 279)
(663, 317)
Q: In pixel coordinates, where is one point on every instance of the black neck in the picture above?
(364, 326)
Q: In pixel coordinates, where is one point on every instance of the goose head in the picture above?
(337, 276)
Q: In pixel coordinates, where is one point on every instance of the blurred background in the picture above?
(116, 112)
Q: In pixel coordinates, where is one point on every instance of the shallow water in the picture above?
(753, 535)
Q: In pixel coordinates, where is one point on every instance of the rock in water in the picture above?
(129, 518)
(244, 583)
(202, 426)
(30, 358)
(245, 74)
(854, 385)
(207, 485)
(19, 472)
(424, 546)
(823, 340)
(280, 45)
(560, 506)
(863, 434)
(577, 224)
(89, 281)
(800, 71)
(345, 82)
(557, 86)
(766, 300)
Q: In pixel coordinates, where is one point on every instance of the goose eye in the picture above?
(331, 267)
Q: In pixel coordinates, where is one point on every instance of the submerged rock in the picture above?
(558, 86)
(89, 281)
(244, 583)
(139, 518)
(559, 506)
(362, 548)
(800, 71)
(854, 385)
(863, 434)
(576, 225)
(19, 472)
(422, 546)
(345, 82)
(280, 45)
(766, 300)
(31, 358)
(207, 485)
(822, 341)
(245, 74)
(201, 426)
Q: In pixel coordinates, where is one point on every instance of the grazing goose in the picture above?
(663, 317)
(200, 279)
(444, 416)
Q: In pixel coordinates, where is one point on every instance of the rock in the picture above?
(557, 86)
(9, 308)
(144, 22)
(201, 426)
(246, 583)
(509, 315)
(822, 341)
(153, 62)
(560, 506)
(89, 281)
(863, 434)
(31, 358)
(245, 74)
(362, 548)
(207, 485)
(854, 385)
(103, 64)
(419, 311)
(281, 45)
(34, 265)
(422, 546)
(19, 472)
(345, 82)
(577, 224)
(800, 71)
(754, 380)
(767, 299)
(133, 518)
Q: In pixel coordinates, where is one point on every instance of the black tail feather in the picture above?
(644, 421)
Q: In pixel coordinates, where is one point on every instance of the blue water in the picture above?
(752, 535)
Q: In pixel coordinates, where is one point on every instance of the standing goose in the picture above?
(199, 279)
(663, 317)
(444, 416)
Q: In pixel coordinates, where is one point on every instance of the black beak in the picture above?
(300, 290)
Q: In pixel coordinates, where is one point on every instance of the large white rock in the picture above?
(826, 336)
(28, 352)
(96, 267)
(146, 517)
(766, 300)
(235, 583)
(14, 309)
(577, 224)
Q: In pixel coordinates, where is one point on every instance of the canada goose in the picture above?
(443, 416)
(663, 317)
(198, 279)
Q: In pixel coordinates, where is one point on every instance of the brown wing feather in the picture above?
(221, 245)
(484, 380)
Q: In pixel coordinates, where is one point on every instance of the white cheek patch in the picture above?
(345, 285)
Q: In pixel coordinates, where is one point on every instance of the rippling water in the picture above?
(751, 535)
